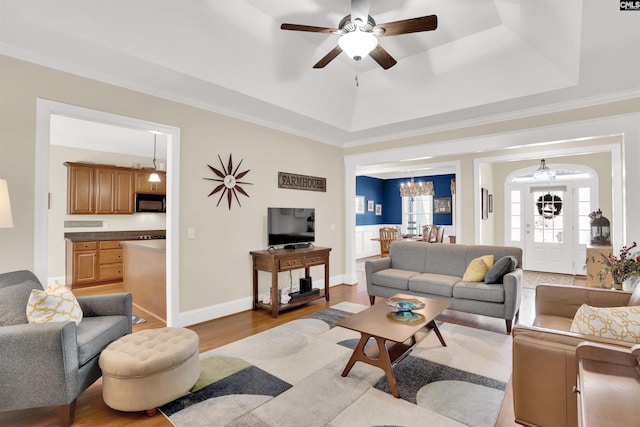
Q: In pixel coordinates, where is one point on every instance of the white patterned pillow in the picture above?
(618, 323)
(55, 304)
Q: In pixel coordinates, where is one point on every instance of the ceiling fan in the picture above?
(359, 34)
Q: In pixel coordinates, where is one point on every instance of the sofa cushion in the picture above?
(409, 256)
(501, 267)
(436, 284)
(95, 333)
(393, 278)
(449, 260)
(618, 323)
(477, 269)
(54, 304)
(13, 302)
(479, 291)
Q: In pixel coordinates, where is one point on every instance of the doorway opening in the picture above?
(549, 217)
(45, 109)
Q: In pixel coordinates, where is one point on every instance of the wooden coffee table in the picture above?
(395, 338)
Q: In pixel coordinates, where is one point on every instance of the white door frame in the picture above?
(44, 109)
(524, 187)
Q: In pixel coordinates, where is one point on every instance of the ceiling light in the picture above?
(357, 44)
(413, 189)
(543, 172)
(154, 177)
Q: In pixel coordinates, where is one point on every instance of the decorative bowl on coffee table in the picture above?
(404, 309)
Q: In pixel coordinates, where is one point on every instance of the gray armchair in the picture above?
(50, 364)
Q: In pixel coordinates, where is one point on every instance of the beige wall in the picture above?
(215, 267)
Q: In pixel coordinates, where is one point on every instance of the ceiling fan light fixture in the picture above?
(357, 44)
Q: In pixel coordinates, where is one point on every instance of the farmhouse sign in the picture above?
(301, 182)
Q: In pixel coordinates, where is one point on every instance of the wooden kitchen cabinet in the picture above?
(144, 186)
(99, 189)
(82, 262)
(93, 262)
(114, 191)
(110, 261)
(80, 189)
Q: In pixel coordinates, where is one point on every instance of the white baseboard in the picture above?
(212, 312)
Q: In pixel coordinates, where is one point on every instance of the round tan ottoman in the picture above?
(149, 368)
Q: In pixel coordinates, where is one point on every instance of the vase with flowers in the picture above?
(624, 267)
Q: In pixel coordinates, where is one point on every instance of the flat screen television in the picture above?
(290, 226)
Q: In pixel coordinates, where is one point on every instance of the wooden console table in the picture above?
(279, 260)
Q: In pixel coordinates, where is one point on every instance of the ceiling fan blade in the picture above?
(381, 56)
(413, 25)
(308, 28)
(360, 10)
(328, 57)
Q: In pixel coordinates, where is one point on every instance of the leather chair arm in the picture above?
(607, 353)
(559, 300)
(39, 364)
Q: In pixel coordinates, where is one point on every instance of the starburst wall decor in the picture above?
(230, 179)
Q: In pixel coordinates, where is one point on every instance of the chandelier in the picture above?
(413, 189)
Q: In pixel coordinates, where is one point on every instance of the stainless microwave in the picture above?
(150, 202)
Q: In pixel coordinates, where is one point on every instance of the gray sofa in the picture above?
(50, 364)
(436, 271)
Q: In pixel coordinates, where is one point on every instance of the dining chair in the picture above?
(387, 235)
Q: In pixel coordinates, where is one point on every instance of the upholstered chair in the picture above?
(544, 354)
(50, 364)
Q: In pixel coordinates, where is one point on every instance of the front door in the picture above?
(548, 234)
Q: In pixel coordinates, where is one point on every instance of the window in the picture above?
(416, 212)
(584, 209)
(516, 212)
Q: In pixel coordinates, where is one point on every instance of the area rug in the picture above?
(291, 376)
(535, 278)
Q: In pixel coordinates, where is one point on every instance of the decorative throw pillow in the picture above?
(618, 323)
(504, 265)
(477, 269)
(55, 304)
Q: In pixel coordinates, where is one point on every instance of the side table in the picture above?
(277, 260)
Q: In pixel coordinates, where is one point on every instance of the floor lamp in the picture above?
(6, 220)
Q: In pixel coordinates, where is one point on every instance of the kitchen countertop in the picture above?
(89, 236)
(151, 245)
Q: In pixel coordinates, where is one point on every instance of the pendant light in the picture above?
(154, 177)
(543, 172)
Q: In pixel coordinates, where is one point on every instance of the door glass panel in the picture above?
(516, 216)
(584, 209)
(548, 220)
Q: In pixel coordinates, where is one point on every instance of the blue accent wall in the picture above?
(371, 189)
(387, 192)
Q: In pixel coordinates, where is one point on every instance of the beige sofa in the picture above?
(544, 361)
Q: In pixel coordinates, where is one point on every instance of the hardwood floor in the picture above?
(91, 410)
